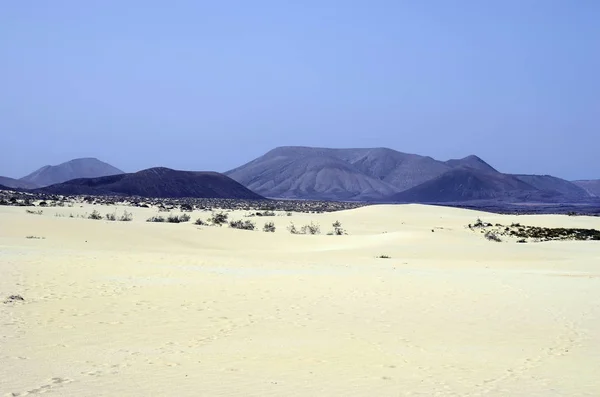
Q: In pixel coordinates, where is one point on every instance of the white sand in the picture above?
(141, 309)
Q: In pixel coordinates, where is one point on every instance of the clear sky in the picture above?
(209, 85)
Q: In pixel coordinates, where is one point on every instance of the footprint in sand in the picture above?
(52, 384)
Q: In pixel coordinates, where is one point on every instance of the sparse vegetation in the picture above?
(492, 236)
(95, 215)
(34, 212)
(292, 228)
(312, 228)
(338, 230)
(200, 222)
(219, 218)
(525, 233)
(243, 225)
(269, 227)
(178, 218)
(14, 298)
(35, 238)
(126, 217)
(383, 257)
(111, 216)
(156, 218)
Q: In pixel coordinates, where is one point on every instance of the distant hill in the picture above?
(464, 184)
(569, 190)
(74, 169)
(156, 182)
(308, 174)
(322, 173)
(592, 186)
(12, 183)
(382, 174)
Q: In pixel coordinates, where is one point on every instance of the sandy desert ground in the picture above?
(148, 309)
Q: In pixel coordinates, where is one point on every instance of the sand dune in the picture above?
(138, 309)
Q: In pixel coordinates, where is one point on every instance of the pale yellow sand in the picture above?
(145, 309)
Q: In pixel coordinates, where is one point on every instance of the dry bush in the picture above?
(243, 225)
(269, 227)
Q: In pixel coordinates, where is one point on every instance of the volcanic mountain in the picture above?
(159, 183)
(382, 174)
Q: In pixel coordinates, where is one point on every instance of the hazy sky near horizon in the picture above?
(205, 85)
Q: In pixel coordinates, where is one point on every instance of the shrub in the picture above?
(292, 228)
(266, 213)
(383, 257)
(178, 219)
(269, 227)
(219, 218)
(95, 215)
(311, 229)
(155, 219)
(14, 298)
(111, 217)
(200, 222)
(492, 236)
(244, 225)
(126, 217)
(38, 212)
(338, 230)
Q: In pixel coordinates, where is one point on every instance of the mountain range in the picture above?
(381, 174)
(159, 182)
(299, 172)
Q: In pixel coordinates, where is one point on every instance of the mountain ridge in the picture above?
(382, 174)
(157, 182)
(13, 183)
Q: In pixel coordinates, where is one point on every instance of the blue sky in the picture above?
(211, 85)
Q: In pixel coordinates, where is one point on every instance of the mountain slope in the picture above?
(463, 184)
(592, 186)
(323, 173)
(158, 183)
(401, 170)
(16, 183)
(308, 173)
(569, 190)
(77, 168)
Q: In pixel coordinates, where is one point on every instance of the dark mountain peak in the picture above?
(158, 182)
(86, 167)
